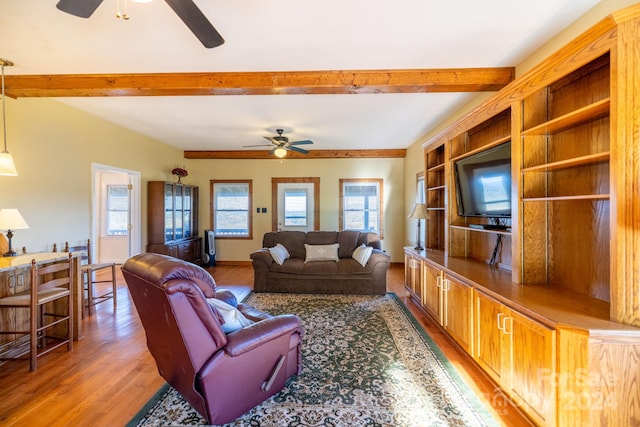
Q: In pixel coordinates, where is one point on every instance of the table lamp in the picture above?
(10, 219)
(419, 212)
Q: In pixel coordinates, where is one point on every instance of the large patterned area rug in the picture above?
(366, 362)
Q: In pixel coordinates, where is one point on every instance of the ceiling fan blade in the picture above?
(261, 145)
(306, 141)
(299, 150)
(197, 22)
(79, 8)
(271, 140)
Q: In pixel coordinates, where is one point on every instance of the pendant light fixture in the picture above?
(7, 167)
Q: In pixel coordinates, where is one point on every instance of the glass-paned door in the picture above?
(168, 212)
(179, 200)
(186, 212)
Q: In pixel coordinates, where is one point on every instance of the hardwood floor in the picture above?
(110, 375)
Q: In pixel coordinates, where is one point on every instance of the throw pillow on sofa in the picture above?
(279, 254)
(321, 252)
(362, 254)
(233, 319)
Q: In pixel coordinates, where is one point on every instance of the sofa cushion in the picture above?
(321, 237)
(348, 241)
(292, 265)
(321, 252)
(362, 254)
(351, 267)
(292, 240)
(279, 253)
(324, 268)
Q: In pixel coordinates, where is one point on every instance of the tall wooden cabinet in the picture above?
(555, 322)
(173, 220)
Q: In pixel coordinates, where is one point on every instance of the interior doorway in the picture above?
(116, 213)
(295, 204)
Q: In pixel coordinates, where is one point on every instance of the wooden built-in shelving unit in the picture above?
(561, 302)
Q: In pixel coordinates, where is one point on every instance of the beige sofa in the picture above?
(345, 275)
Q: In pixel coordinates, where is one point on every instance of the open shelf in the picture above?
(576, 161)
(481, 230)
(582, 115)
(485, 147)
(563, 198)
(436, 168)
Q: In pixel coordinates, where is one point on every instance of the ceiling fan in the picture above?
(185, 9)
(281, 144)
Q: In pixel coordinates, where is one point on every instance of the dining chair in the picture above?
(49, 306)
(89, 271)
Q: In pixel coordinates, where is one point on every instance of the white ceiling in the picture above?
(280, 35)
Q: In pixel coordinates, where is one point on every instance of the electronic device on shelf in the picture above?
(483, 183)
(497, 227)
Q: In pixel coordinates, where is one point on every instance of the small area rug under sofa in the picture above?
(321, 262)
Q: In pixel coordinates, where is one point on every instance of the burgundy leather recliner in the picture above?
(221, 375)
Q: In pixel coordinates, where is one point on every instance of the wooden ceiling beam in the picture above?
(260, 83)
(313, 154)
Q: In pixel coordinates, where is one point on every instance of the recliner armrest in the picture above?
(252, 313)
(253, 336)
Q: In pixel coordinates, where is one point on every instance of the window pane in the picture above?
(361, 205)
(354, 220)
(420, 190)
(117, 210)
(231, 209)
(295, 207)
(117, 223)
(231, 223)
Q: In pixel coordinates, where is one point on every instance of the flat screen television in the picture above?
(484, 183)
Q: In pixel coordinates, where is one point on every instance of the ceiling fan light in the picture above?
(280, 152)
(142, 1)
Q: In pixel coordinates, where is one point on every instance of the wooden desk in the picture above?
(15, 276)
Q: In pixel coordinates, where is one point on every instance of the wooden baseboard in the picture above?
(228, 263)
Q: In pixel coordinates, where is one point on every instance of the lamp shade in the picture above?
(7, 167)
(10, 219)
(419, 211)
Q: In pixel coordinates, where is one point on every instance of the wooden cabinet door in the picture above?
(490, 353)
(431, 290)
(412, 270)
(458, 312)
(532, 367)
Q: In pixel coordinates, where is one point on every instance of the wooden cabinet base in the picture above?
(188, 249)
(561, 361)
